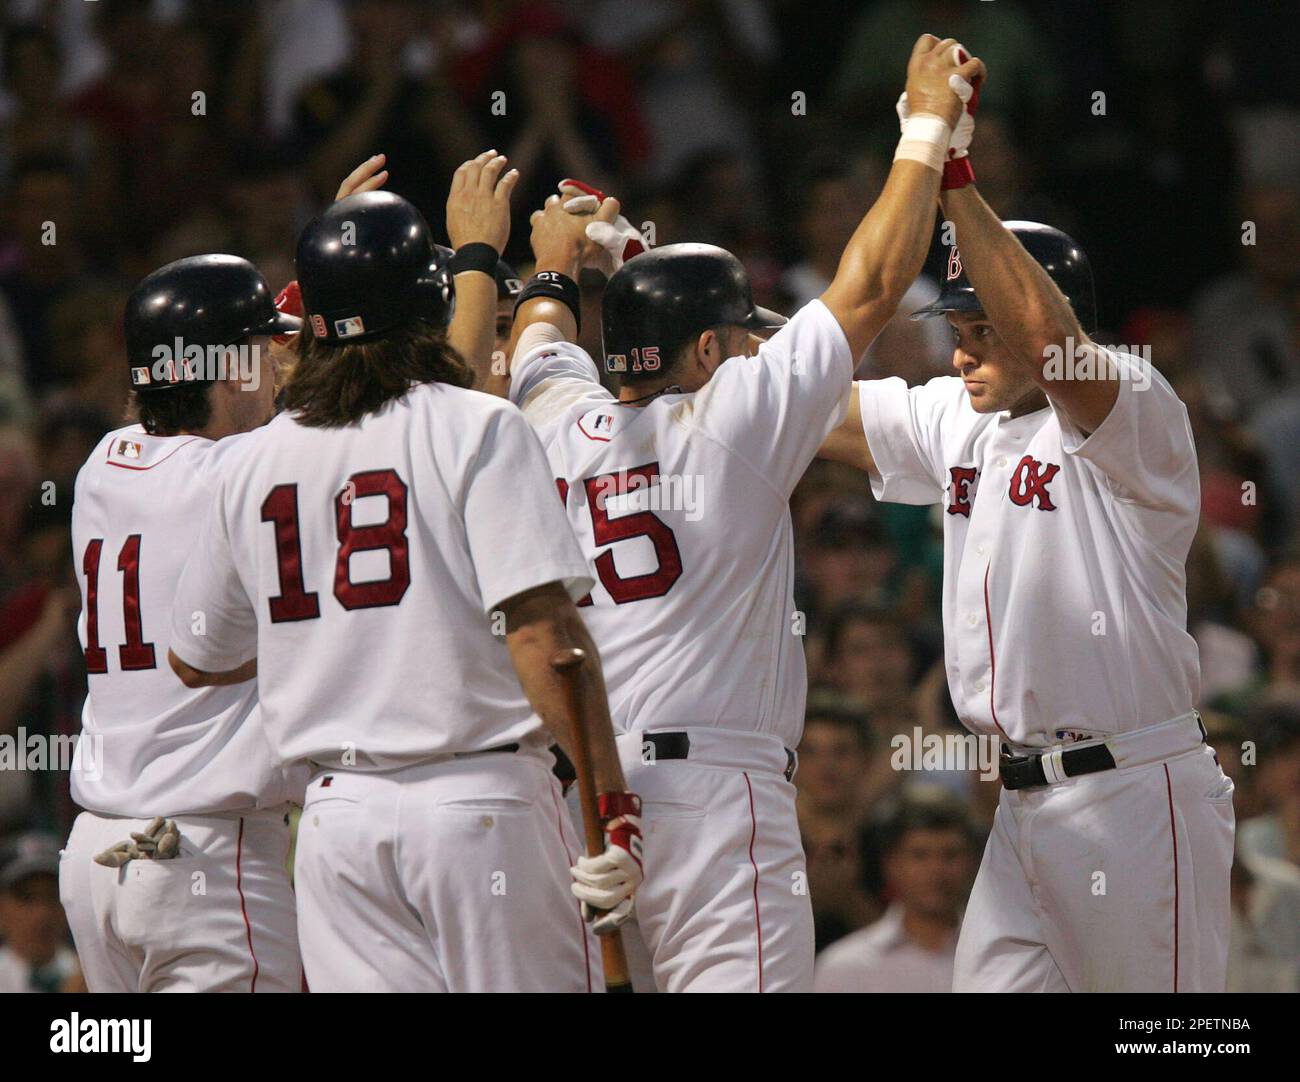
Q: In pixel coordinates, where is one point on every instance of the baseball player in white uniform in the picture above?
(382, 554)
(201, 901)
(678, 492)
(1069, 483)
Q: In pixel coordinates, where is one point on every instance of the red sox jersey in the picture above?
(1064, 588)
(681, 506)
(363, 567)
(150, 745)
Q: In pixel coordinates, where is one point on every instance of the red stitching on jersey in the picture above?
(993, 661)
(1173, 833)
(243, 907)
(758, 923)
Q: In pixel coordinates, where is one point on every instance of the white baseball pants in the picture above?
(451, 876)
(1115, 882)
(724, 906)
(218, 917)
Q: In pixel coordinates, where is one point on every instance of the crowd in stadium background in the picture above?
(1162, 136)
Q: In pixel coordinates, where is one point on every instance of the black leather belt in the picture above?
(500, 749)
(1026, 771)
(678, 746)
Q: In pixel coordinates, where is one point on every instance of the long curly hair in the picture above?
(330, 386)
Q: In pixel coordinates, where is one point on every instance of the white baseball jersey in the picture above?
(682, 508)
(1064, 590)
(149, 745)
(362, 567)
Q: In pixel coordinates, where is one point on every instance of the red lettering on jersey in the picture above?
(1029, 482)
(962, 478)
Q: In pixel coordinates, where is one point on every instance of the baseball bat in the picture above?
(568, 664)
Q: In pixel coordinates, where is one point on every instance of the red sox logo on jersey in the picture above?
(954, 263)
(962, 478)
(1028, 487)
(1029, 482)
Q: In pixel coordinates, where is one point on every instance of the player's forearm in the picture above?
(1028, 311)
(473, 325)
(538, 626)
(197, 678)
(885, 254)
(566, 259)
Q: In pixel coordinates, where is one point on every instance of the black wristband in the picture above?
(475, 256)
(557, 286)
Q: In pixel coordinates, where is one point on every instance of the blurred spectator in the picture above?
(840, 899)
(835, 755)
(34, 955)
(34, 121)
(1264, 941)
(87, 349)
(1274, 621)
(871, 659)
(1245, 322)
(42, 259)
(697, 62)
(1274, 728)
(928, 855)
(393, 97)
(874, 63)
(557, 106)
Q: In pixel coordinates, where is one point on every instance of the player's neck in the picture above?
(1034, 401)
(645, 393)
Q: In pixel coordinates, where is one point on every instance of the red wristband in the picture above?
(957, 173)
(612, 805)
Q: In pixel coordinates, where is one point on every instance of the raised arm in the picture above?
(889, 246)
(1030, 314)
(478, 213)
(560, 247)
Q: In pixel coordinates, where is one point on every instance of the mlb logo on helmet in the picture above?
(350, 327)
(616, 362)
(954, 263)
(140, 376)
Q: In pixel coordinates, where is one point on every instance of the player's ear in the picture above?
(709, 352)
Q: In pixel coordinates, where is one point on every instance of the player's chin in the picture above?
(982, 398)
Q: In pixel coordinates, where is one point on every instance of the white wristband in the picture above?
(925, 140)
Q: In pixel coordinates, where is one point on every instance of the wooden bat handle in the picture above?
(568, 664)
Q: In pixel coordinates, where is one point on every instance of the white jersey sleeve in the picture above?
(1144, 447)
(214, 624)
(776, 409)
(904, 430)
(519, 536)
(550, 375)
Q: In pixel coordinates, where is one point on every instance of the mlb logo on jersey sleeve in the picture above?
(599, 425)
(128, 449)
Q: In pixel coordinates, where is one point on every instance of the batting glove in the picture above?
(605, 884)
(619, 239)
(289, 301)
(160, 840)
(957, 171)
